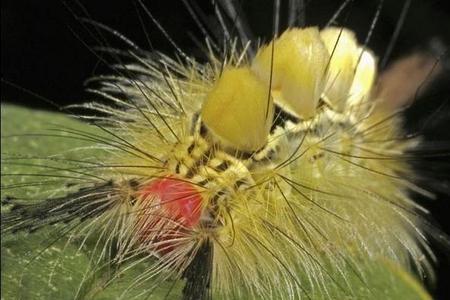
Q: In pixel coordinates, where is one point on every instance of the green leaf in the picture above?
(40, 265)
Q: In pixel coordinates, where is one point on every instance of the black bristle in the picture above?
(83, 204)
(198, 274)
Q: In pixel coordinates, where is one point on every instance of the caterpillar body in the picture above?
(274, 175)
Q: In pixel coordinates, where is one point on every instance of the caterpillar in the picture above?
(273, 170)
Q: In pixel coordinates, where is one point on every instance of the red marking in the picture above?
(169, 207)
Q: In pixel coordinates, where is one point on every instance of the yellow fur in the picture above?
(330, 197)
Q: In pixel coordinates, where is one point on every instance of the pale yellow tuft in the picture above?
(351, 71)
(364, 79)
(239, 110)
(341, 44)
(296, 62)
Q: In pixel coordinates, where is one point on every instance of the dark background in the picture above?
(45, 50)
